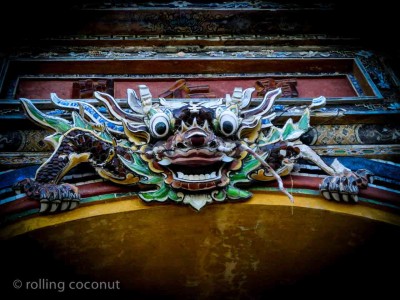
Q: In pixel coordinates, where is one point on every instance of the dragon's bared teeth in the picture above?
(184, 128)
(205, 126)
(197, 177)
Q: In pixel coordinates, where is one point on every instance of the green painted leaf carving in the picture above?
(55, 123)
(273, 136)
(288, 129)
(79, 122)
(174, 196)
(250, 163)
(152, 180)
(158, 195)
(54, 139)
(137, 165)
(105, 136)
(304, 122)
(219, 195)
(236, 193)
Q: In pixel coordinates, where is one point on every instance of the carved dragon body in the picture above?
(194, 153)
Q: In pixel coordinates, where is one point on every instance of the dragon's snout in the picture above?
(197, 140)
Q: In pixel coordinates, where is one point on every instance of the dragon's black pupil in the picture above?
(160, 128)
(227, 127)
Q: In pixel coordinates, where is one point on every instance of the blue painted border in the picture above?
(379, 168)
(9, 178)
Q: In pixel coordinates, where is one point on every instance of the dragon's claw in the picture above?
(345, 187)
(52, 197)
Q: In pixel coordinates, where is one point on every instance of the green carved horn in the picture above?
(55, 123)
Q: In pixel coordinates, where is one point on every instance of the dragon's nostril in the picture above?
(197, 140)
(213, 144)
(180, 145)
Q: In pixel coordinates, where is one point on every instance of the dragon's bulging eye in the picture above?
(159, 125)
(160, 128)
(228, 123)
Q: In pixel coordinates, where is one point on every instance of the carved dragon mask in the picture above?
(194, 152)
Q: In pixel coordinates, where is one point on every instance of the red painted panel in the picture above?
(307, 87)
(41, 89)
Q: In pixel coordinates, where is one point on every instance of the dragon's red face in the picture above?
(195, 157)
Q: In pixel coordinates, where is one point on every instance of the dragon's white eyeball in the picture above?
(159, 125)
(228, 123)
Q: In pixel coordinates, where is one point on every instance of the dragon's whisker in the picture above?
(268, 167)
